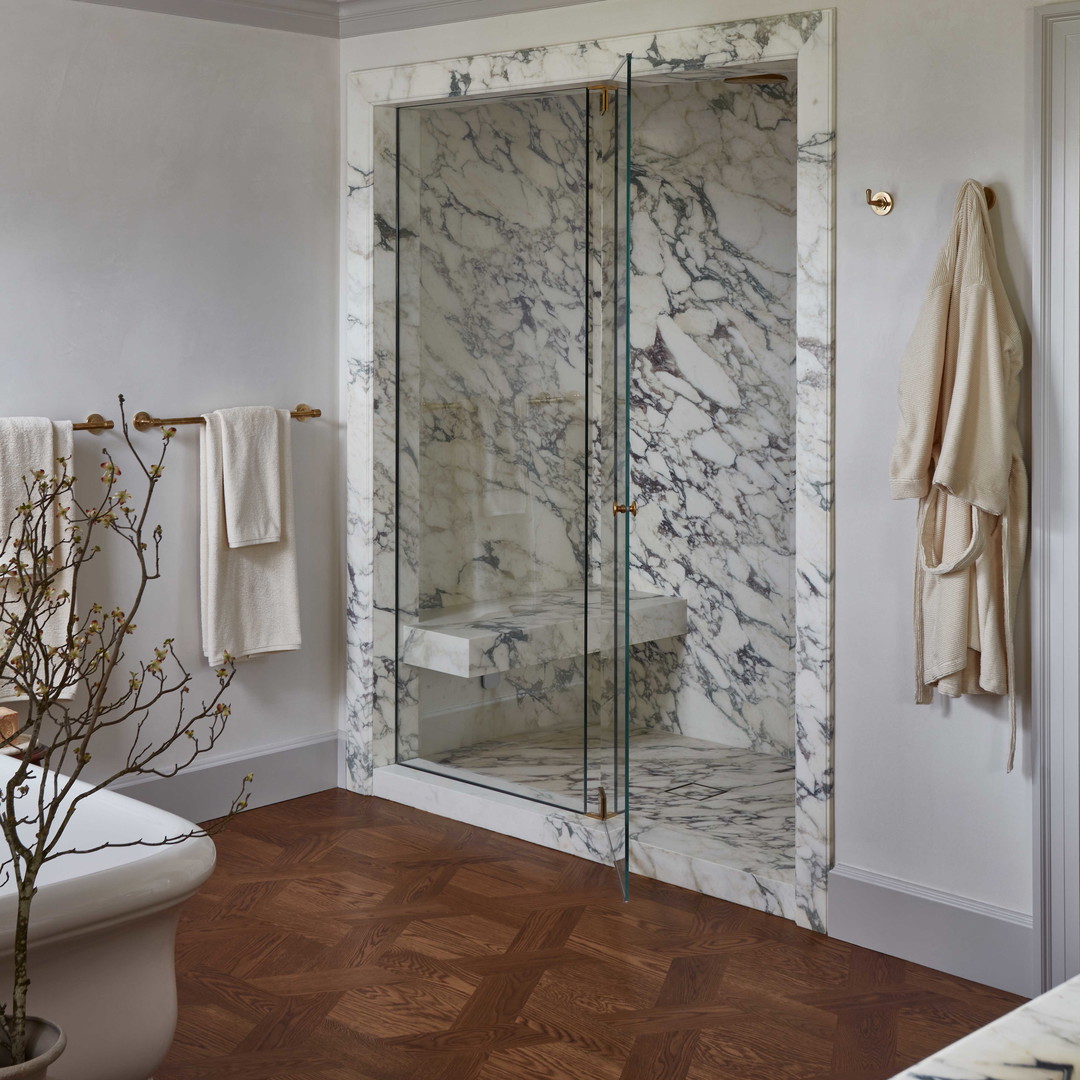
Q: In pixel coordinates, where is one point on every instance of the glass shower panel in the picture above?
(620, 826)
(608, 735)
(493, 428)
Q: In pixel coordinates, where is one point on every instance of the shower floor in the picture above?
(725, 805)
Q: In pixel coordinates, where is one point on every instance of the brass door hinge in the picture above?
(603, 814)
(605, 96)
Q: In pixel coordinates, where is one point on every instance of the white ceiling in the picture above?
(338, 18)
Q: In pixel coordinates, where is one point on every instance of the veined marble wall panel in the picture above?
(814, 360)
(808, 38)
(712, 328)
(501, 265)
(399, 219)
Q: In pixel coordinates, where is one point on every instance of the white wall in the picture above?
(168, 209)
(928, 94)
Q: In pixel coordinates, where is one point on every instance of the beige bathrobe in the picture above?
(958, 452)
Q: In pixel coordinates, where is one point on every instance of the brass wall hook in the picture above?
(881, 203)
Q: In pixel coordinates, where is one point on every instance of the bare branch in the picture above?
(65, 658)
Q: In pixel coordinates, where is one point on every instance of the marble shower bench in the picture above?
(516, 632)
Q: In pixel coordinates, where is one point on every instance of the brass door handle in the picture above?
(622, 508)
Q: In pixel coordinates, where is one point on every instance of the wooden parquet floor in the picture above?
(350, 938)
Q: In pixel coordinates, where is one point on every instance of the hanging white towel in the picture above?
(251, 474)
(29, 444)
(250, 596)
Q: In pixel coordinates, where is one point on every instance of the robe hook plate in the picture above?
(881, 203)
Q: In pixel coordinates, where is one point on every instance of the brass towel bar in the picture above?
(537, 399)
(144, 421)
(556, 399)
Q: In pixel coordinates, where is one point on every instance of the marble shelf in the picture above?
(500, 635)
(1038, 1041)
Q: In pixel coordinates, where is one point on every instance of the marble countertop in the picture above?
(515, 632)
(1038, 1041)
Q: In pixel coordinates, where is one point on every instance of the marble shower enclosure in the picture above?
(373, 471)
(713, 404)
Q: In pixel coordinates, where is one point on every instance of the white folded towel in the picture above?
(250, 596)
(27, 444)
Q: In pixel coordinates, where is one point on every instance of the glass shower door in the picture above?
(493, 586)
(609, 697)
(510, 229)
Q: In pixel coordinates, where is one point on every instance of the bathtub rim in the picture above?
(147, 880)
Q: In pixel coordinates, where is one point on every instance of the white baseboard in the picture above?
(977, 941)
(282, 771)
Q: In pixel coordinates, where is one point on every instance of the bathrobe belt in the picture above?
(929, 561)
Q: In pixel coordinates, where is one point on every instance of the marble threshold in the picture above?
(1038, 1041)
(516, 632)
(716, 819)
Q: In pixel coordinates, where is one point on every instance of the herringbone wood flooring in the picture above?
(349, 938)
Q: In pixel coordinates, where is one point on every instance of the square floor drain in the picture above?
(696, 791)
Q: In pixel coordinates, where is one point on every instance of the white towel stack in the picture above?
(250, 596)
(27, 444)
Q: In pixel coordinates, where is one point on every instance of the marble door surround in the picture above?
(369, 361)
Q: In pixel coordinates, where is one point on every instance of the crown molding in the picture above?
(359, 17)
(320, 17)
(338, 18)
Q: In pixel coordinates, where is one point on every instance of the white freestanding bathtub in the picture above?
(103, 930)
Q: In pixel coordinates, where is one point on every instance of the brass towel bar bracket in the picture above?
(143, 421)
(882, 202)
(94, 422)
